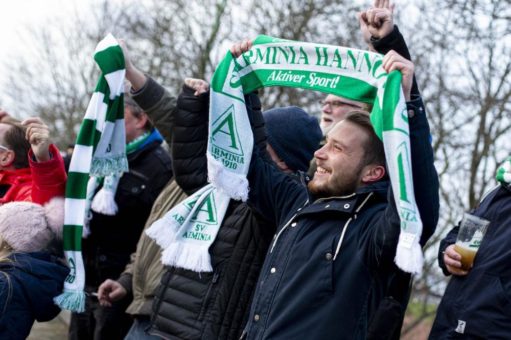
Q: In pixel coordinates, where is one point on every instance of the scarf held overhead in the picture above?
(345, 72)
(100, 151)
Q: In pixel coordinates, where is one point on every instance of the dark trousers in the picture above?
(100, 323)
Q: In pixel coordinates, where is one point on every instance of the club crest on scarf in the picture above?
(225, 141)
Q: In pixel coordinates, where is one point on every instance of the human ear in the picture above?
(142, 120)
(372, 173)
(7, 158)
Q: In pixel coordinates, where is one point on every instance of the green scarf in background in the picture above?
(504, 172)
(100, 151)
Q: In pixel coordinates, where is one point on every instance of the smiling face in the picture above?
(334, 109)
(339, 161)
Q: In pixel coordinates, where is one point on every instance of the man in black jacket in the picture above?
(335, 244)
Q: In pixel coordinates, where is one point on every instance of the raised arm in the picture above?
(384, 237)
(154, 99)
(382, 35)
(46, 163)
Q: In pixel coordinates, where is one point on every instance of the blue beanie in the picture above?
(293, 134)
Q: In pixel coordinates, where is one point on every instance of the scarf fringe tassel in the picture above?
(232, 184)
(162, 232)
(104, 203)
(72, 300)
(188, 256)
(409, 259)
(101, 167)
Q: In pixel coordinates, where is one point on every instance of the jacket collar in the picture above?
(348, 203)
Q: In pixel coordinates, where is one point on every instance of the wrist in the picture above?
(41, 153)
(136, 77)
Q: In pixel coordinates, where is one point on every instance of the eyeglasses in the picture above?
(4, 148)
(338, 103)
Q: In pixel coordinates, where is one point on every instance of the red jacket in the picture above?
(38, 183)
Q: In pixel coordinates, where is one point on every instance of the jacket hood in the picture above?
(41, 277)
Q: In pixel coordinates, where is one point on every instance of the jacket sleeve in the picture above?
(48, 178)
(381, 240)
(190, 138)
(395, 41)
(273, 192)
(159, 105)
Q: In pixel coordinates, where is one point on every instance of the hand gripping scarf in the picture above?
(345, 72)
(100, 151)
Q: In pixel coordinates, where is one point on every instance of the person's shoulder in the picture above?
(161, 155)
(153, 158)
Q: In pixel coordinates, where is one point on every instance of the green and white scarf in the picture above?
(345, 72)
(99, 152)
(103, 201)
(504, 172)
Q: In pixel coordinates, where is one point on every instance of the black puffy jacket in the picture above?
(190, 305)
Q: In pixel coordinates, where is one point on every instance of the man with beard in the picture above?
(337, 235)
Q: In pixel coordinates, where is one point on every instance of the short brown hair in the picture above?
(373, 146)
(15, 139)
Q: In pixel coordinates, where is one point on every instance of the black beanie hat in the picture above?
(293, 134)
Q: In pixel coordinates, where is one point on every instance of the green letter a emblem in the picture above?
(207, 211)
(225, 133)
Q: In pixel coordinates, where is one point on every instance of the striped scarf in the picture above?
(99, 152)
(504, 172)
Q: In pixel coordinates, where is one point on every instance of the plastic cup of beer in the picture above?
(470, 236)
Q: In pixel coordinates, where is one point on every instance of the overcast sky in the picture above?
(17, 15)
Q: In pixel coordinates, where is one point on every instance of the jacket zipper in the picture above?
(205, 303)
(160, 300)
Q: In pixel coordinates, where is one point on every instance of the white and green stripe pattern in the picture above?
(504, 172)
(345, 72)
(99, 151)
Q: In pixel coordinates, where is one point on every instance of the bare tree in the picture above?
(461, 50)
(55, 75)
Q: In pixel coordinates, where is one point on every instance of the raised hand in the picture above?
(200, 86)
(136, 77)
(241, 47)
(393, 61)
(38, 135)
(377, 21)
